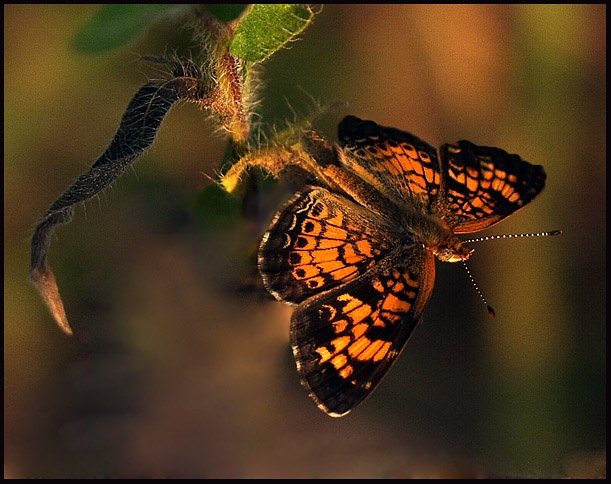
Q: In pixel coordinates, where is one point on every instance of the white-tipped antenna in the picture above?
(477, 289)
(508, 236)
(493, 237)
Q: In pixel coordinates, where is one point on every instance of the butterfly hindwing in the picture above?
(346, 339)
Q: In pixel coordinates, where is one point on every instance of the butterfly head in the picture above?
(452, 251)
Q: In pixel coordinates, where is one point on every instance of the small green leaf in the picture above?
(266, 28)
(226, 12)
(116, 24)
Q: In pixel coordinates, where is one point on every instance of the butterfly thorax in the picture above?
(415, 223)
(434, 235)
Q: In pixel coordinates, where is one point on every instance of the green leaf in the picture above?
(116, 24)
(266, 28)
(225, 12)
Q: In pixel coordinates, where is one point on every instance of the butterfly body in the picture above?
(355, 250)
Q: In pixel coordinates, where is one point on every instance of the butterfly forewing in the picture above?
(397, 163)
(317, 241)
(483, 185)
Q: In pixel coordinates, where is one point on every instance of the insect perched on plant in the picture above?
(354, 248)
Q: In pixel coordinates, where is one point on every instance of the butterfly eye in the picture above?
(445, 255)
(457, 254)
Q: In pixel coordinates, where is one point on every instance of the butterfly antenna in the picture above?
(492, 237)
(477, 289)
(509, 236)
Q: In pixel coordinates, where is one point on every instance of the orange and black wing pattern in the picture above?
(358, 268)
(398, 164)
(481, 186)
(468, 186)
(359, 293)
(317, 241)
(345, 340)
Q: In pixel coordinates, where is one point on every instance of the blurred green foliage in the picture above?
(214, 207)
(116, 24)
(226, 12)
(264, 30)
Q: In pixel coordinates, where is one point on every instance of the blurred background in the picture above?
(180, 365)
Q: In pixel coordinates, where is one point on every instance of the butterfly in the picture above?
(355, 249)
